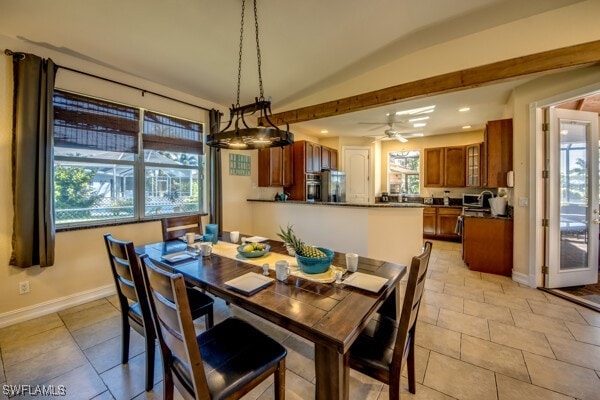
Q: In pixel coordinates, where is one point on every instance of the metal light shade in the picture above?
(243, 137)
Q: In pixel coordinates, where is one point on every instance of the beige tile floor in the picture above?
(479, 336)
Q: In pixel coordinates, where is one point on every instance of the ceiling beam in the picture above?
(539, 63)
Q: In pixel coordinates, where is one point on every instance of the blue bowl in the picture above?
(315, 265)
(253, 254)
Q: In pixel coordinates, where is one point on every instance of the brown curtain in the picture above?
(32, 152)
(216, 177)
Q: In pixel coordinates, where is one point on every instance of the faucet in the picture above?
(480, 197)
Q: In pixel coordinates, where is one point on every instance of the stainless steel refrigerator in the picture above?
(333, 186)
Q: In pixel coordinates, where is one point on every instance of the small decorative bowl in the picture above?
(315, 265)
(253, 254)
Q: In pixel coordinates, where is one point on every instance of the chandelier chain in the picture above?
(239, 80)
(260, 82)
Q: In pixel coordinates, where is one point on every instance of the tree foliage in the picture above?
(72, 188)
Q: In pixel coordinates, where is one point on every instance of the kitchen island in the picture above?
(390, 232)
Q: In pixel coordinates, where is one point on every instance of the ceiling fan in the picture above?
(392, 133)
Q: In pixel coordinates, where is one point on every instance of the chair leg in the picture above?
(150, 351)
(209, 319)
(279, 385)
(125, 340)
(167, 385)
(410, 365)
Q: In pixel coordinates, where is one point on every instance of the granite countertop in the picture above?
(320, 203)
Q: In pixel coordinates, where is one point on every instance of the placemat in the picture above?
(229, 250)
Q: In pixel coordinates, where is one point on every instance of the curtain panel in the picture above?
(32, 153)
(215, 177)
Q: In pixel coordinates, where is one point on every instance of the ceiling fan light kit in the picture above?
(242, 136)
(392, 133)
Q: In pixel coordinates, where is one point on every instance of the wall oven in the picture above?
(313, 187)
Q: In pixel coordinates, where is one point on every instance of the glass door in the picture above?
(572, 198)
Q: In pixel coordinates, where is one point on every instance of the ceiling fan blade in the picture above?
(401, 139)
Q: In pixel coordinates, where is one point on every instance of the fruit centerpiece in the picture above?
(253, 250)
(311, 259)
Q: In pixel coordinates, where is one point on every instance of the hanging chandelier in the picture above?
(241, 136)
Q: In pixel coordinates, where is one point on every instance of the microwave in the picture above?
(472, 200)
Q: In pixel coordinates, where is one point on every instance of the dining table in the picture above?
(329, 314)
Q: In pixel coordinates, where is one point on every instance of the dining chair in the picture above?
(133, 301)
(224, 362)
(385, 345)
(176, 227)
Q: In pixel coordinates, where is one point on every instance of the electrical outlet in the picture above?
(523, 202)
(23, 287)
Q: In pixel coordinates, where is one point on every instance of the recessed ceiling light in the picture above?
(415, 111)
(416, 134)
(418, 119)
(324, 131)
(420, 125)
(464, 109)
(467, 127)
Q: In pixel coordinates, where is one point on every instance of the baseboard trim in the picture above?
(55, 305)
(521, 278)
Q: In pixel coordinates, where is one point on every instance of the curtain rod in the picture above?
(11, 53)
(144, 91)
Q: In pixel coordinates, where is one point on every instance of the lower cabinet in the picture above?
(440, 223)
(488, 245)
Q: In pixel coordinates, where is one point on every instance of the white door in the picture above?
(572, 198)
(356, 166)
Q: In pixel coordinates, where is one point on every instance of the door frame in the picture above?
(536, 184)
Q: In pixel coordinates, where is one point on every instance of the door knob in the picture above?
(596, 221)
(595, 211)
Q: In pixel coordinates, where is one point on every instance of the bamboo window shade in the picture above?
(88, 123)
(162, 132)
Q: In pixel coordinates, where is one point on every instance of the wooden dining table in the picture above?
(331, 315)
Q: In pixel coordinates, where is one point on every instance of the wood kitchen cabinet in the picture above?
(325, 157)
(275, 166)
(497, 147)
(333, 161)
(312, 158)
(444, 167)
(488, 245)
(440, 222)
(473, 165)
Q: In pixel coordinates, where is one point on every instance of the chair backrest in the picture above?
(175, 227)
(127, 273)
(410, 309)
(174, 326)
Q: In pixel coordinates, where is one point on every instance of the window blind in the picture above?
(87, 123)
(163, 132)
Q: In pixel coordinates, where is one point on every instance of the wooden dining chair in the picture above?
(385, 345)
(224, 362)
(176, 227)
(133, 301)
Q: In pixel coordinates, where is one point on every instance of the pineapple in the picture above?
(289, 238)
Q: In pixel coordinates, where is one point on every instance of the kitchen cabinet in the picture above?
(325, 157)
(473, 161)
(498, 144)
(440, 223)
(429, 221)
(488, 245)
(316, 158)
(308, 158)
(275, 166)
(312, 163)
(444, 167)
(333, 161)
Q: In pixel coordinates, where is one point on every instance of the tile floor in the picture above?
(479, 336)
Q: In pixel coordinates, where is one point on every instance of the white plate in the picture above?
(256, 239)
(175, 257)
(364, 281)
(249, 283)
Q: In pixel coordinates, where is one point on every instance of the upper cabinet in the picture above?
(275, 166)
(498, 143)
(473, 160)
(444, 167)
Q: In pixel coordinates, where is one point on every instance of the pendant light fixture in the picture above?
(241, 136)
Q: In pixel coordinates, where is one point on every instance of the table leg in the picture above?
(333, 374)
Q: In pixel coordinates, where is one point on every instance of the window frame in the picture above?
(138, 165)
(417, 173)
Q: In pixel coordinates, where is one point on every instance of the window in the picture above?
(107, 168)
(403, 172)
